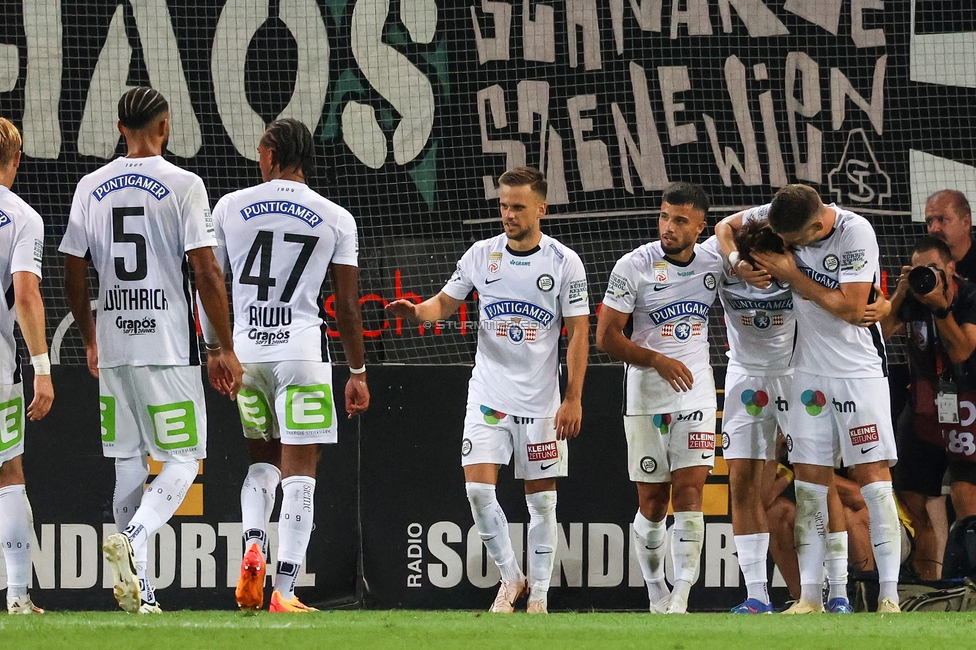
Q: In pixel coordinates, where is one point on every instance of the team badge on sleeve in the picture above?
(831, 263)
(545, 282)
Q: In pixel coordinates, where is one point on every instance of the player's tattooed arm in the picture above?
(76, 290)
(569, 417)
(439, 307)
(30, 315)
(349, 319)
(610, 339)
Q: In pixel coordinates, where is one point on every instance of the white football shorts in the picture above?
(493, 437)
(11, 421)
(659, 444)
(754, 408)
(301, 391)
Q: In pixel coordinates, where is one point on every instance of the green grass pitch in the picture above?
(472, 630)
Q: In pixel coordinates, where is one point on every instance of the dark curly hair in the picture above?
(757, 236)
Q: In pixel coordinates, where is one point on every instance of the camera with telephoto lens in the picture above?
(923, 279)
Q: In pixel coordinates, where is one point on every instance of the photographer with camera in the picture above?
(936, 310)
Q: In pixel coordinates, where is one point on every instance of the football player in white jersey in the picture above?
(140, 220)
(667, 288)
(280, 240)
(529, 286)
(761, 329)
(21, 252)
(840, 385)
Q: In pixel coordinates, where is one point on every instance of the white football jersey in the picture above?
(522, 300)
(137, 217)
(670, 303)
(21, 249)
(279, 239)
(826, 345)
(760, 325)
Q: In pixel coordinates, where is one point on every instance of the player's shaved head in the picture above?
(291, 145)
(530, 176)
(793, 208)
(141, 107)
(10, 141)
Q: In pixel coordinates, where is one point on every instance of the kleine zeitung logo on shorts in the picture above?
(542, 451)
(863, 435)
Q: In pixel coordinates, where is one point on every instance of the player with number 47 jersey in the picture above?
(280, 240)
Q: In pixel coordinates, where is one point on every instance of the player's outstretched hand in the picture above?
(569, 417)
(675, 373)
(43, 397)
(91, 351)
(877, 310)
(756, 277)
(357, 395)
(225, 372)
(403, 309)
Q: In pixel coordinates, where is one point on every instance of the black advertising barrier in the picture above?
(197, 558)
(420, 550)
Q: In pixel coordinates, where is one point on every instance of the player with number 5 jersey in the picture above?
(280, 240)
(143, 222)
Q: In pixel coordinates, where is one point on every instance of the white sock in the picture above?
(686, 543)
(810, 536)
(542, 538)
(160, 501)
(752, 550)
(493, 528)
(885, 535)
(650, 546)
(130, 483)
(257, 502)
(15, 534)
(294, 530)
(835, 562)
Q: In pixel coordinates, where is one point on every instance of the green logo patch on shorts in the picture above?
(11, 423)
(308, 407)
(254, 410)
(106, 407)
(175, 425)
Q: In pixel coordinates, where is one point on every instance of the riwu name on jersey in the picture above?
(517, 320)
(262, 319)
(287, 208)
(126, 181)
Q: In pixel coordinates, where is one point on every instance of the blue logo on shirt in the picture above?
(519, 308)
(125, 181)
(679, 310)
(4, 219)
(287, 208)
(820, 278)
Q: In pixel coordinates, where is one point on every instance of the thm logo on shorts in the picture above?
(254, 410)
(11, 423)
(542, 451)
(106, 408)
(308, 407)
(701, 440)
(863, 435)
(175, 425)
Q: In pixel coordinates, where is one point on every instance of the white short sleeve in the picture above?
(28, 253)
(347, 242)
(859, 255)
(198, 229)
(574, 297)
(220, 251)
(75, 240)
(758, 213)
(622, 289)
(460, 283)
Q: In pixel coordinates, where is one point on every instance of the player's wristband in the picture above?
(41, 363)
(734, 259)
(358, 371)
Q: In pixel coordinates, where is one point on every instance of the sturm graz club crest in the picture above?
(465, 447)
(648, 465)
(545, 282)
(831, 263)
(709, 281)
(789, 443)
(726, 440)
